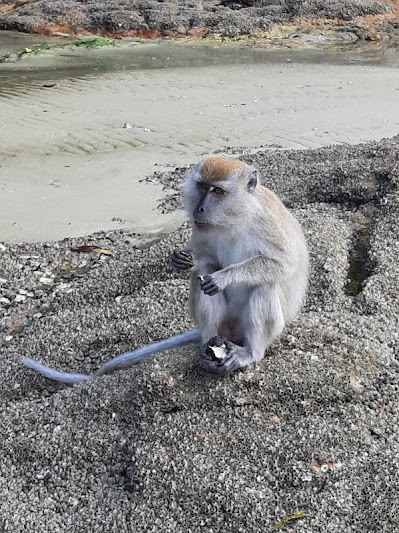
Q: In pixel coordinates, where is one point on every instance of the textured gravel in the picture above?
(164, 446)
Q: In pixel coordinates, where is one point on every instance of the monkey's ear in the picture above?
(253, 181)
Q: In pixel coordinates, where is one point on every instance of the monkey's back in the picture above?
(284, 232)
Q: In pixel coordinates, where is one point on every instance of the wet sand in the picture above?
(69, 167)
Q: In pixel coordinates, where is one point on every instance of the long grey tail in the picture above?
(121, 361)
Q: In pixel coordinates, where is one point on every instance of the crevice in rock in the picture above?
(129, 484)
(361, 265)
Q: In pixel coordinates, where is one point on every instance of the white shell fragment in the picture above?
(46, 281)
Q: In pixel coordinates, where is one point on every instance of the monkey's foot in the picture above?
(221, 356)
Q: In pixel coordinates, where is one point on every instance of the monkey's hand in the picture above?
(182, 260)
(221, 356)
(211, 284)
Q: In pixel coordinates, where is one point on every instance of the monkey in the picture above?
(248, 259)
(249, 266)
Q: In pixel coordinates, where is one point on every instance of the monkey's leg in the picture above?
(207, 311)
(263, 322)
(263, 319)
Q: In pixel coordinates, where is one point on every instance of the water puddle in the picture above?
(53, 59)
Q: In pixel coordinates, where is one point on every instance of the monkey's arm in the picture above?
(257, 270)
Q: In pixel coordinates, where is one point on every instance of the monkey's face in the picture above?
(213, 202)
(210, 205)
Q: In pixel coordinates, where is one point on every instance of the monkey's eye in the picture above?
(203, 186)
(218, 191)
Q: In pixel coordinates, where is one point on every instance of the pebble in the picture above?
(46, 281)
(20, 298)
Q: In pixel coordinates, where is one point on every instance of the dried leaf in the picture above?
(315, 466)
(288, 519)
(88, 248)
(324, 466)
(103, 252)
(333, 466)
(84, 248)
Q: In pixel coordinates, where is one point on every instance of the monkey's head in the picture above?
(218, 191)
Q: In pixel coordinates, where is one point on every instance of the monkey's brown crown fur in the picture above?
(220, 168)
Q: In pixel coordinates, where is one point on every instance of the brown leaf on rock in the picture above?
(84, 248)
(315, 466)
(324, 466)
(89, 248)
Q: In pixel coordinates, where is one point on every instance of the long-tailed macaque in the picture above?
(249, 271)
(249, 263)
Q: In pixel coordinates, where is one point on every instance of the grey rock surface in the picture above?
(227, 17)
(165, 447)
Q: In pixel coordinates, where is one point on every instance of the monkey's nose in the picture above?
(201, 209)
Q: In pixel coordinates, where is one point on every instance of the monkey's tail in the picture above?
(132, 358)
(121, 361)
(63, 377)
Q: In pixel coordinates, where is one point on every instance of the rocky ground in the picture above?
(306, 440)
(271, 19)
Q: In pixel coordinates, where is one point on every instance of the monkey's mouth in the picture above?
(202, 225)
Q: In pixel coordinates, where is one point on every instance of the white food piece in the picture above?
(219, 352)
